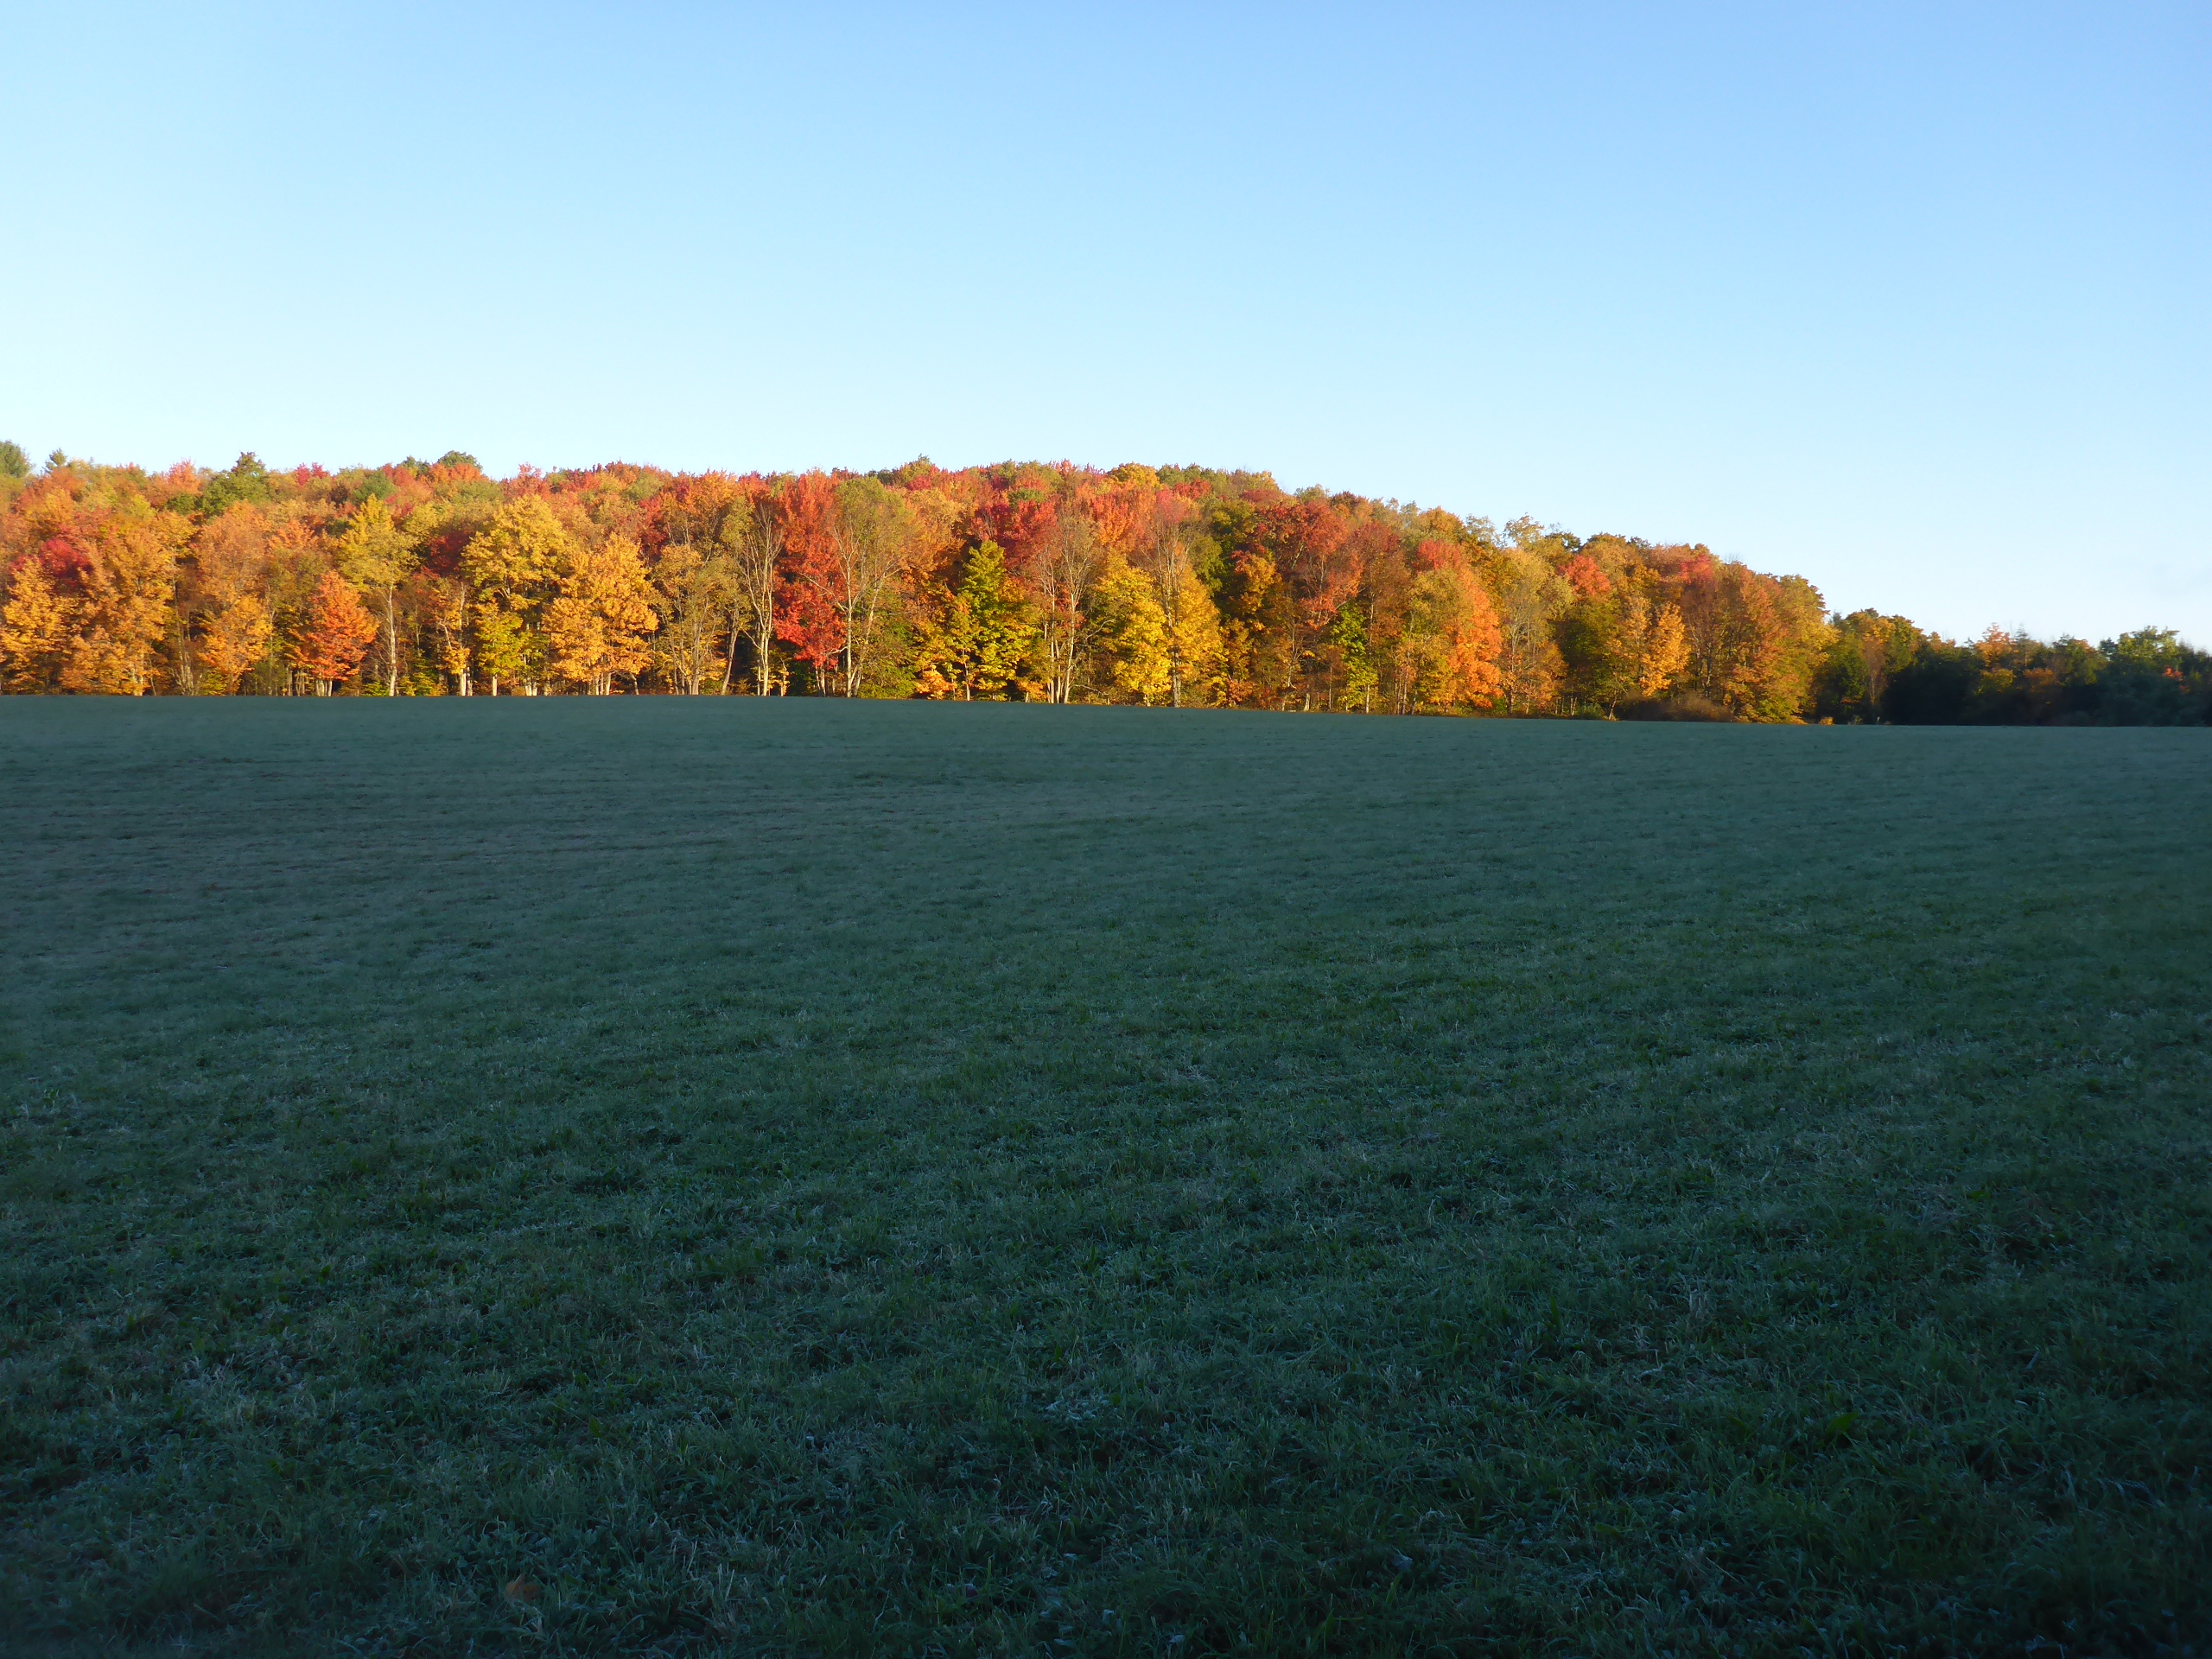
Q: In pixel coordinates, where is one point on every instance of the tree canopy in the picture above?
(1178, 585)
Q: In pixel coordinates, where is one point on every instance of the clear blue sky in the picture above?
(1914, 300)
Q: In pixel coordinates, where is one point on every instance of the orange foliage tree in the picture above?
(37, 628)
(338, 635)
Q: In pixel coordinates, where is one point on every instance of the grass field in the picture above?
(659, 1176)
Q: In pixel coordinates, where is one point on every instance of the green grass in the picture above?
(653, 1176)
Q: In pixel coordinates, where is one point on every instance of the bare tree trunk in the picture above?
(187, 680)
(391, 642)
(1167, 560)
(1063, 578)
(757, 578)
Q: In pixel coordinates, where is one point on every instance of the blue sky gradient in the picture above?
(1911, 300)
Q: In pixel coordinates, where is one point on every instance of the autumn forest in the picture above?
(1177, 586)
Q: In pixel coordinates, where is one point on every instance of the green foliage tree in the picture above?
(869, 541)
(247, 480)
(1865, 651)
(2151, 678)
(990, 629)
(1936, 688)
(1352, 638)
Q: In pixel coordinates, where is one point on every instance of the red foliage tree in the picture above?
(812, 622)
(1583, 574)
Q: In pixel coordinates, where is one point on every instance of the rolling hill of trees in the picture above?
(1172, 585)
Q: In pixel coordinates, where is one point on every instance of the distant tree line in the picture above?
(1175, 585)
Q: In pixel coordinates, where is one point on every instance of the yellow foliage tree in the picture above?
(375, 555)
(515, 564)
(1528, 594)
(596, 627)
(445, 606)
(237, 639)
(230, 554)
(34, 629)
(1129, 632)
(697, 593)
(1196, 658)
(1656, 647)
(130, 589)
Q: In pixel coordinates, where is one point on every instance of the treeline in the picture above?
(1176, 585)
